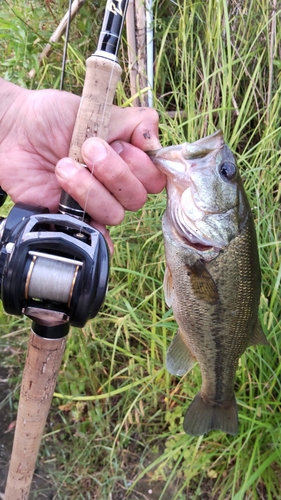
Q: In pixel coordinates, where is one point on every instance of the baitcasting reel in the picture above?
(53, 268)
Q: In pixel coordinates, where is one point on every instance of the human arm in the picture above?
(35, 133)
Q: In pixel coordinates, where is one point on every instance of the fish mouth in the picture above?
(179, 186)
(177, 160)
(188, 150)
(187, 231)
(181, 164)
(170, 161)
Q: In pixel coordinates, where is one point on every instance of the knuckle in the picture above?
(154, 116)
(110, 176)
(150, 113)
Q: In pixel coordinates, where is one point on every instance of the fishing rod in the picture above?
(54, 267)
(102, 75)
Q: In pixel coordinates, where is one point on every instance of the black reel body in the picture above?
(53, 268)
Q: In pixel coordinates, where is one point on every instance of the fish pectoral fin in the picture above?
(202, 417)
(202, 283)
(179, 359)
(258, 336)
(168, 287)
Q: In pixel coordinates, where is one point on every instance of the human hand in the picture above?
(34, 142)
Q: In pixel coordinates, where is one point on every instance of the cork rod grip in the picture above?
(102, 76)
(38, 384)
(93, 115)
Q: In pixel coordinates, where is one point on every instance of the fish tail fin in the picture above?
(202, 417)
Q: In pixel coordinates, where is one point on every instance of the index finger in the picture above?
(139, 126)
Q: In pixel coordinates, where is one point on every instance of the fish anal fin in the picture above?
(168, 287)
(179, 359)
(202, 417)
(258, 336)
(202, 283)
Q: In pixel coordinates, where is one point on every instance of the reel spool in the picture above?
(53, 268)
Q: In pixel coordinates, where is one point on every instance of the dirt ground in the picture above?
(41, 488)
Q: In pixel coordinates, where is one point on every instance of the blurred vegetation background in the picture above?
(115, 429)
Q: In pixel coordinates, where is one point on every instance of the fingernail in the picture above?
(94, 150)
(117, 146)
(66, 168)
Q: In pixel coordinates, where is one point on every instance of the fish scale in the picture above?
(212, 279)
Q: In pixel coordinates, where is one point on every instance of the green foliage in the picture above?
(117, 419)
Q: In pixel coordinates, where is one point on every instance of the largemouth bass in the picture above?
(212, 279)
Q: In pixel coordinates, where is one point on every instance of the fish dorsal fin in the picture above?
(179, 358)
(258, 336)
(202, 283)
(168, 287)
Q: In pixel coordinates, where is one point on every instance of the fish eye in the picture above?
(228, 170)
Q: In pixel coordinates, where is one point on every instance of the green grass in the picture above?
(116, 423)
